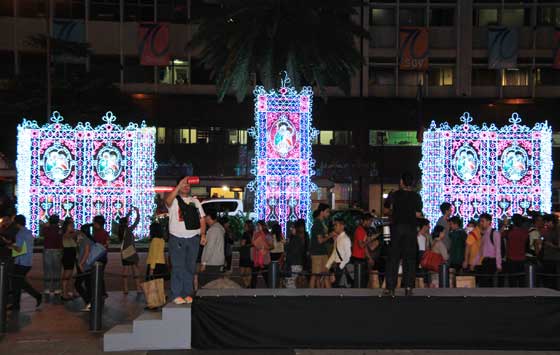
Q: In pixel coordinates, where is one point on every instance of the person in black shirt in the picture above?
(405, 207)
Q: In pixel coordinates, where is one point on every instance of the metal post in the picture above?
(96, 312)
(358, 275)
(273, 275)
(531, 275)
(3, 296)
(444, 276)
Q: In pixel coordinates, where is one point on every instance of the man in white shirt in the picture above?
(342, 251)
(183, 242)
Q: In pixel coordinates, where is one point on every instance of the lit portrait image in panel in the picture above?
(501, 171)
(84, 171)
(283, 165)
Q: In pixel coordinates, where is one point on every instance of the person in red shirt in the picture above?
(516, 247)
(359, 246)
(101, 236)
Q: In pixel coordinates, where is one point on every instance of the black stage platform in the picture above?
(493, 318)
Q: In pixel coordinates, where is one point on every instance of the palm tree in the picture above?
(313, 40)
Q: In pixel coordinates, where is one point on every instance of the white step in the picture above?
(166, 330)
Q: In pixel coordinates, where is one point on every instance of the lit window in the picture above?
(176, 73)
(237, 136)
(556, 139)
(185, 136)
(161, 135)
(326, 137)
(485, 17)
(382, 17)
(515, 77)
(441, 76)
(394, 138)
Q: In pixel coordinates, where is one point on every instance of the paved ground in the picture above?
(57, 329)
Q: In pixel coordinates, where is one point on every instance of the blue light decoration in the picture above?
(485, 169)
(84, 171)
(283, 163)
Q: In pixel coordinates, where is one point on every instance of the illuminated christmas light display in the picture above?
(283, 165)
(485, 169)
(84, 171)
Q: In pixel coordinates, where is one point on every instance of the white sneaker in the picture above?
(179, 300)
(87, 308)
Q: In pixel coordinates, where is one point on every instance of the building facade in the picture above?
(365, 140)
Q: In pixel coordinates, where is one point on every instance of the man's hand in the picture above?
(465, 265)
(202, 267)
(203, 240)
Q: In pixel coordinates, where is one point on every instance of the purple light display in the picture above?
(501, 171)
(83, 171)
(283, 165)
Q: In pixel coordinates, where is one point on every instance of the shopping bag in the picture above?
(154, 292)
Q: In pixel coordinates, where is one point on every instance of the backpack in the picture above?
(190, 213)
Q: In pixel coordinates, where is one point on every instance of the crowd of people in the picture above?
(199, 247)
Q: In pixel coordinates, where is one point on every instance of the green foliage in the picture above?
(236, 224)
(313, 40)
(351, 219)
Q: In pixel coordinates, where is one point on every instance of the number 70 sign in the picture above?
(413, 48)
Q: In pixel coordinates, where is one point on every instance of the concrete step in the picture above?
(166, 330)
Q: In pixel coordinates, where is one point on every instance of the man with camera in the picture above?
(187, 230)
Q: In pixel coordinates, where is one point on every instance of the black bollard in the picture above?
(444, 276)
(358, 275)
(531, 275)
(96, 312)
(273, 275)
(3, 296)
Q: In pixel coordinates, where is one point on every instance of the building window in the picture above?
(484, 77)
(6, 64)
(516, 17)
(105, 10)
(160, 135)
(334, 138)
(324, 138)
(382, 17)
(548, 16)
(556, 139)
(32, 8)
(6, 8)
(440, 76)
(412, 16)
(69, 9)
(442, 17)
(485, 17)
(200, 74)
(410, 78)
(381, 76)
(394, 138)
(548, 77)
(177, 73)
(237, 136)
(342, 137)
(185, 136)
(515, 77)
(107, 67)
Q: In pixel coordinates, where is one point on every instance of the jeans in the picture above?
(403, 246)
(52, 268)
(83, 285)
(20, 283)
(488, 269)
(183, 253)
